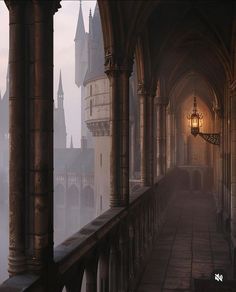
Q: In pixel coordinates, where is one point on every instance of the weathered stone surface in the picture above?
(188, 247)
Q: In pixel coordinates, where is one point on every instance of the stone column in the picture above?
(143, 131)
(146, 102)
(118, 75)
(168, 139)
(31, 134)
(172, 139)
(233, 171)
(91, 276)
(228, 160)
(161, 134)
(114, 271)
(17, 131)
(150, 143)
(132, 148)
(41, 137)
(104, 272)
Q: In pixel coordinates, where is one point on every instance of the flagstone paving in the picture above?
(189, 246)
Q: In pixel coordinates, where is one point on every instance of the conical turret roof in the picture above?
(80, 29)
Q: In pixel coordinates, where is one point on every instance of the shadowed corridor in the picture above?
(189, 246)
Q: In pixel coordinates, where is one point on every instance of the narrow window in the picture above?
(100, 203)
(100, 159)
(91, 107)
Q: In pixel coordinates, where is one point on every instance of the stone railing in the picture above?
(109, 253)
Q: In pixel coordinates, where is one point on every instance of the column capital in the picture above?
(12, 3)
(232, 85)
(117, 65)
(144, 90)
(141, 90)
(217, 109)
(54, 5)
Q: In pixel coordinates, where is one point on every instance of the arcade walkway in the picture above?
(188, 247)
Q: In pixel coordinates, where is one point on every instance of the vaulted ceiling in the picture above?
(176, 37)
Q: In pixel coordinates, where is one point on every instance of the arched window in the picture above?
(73, 196)
(87, 198)
(59, 195)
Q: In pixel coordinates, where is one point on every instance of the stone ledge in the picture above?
(24, 282)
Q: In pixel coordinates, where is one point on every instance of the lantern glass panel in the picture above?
(195, 122)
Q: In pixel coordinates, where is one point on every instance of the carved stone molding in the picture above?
(115, 65)
(141, 90)
(53, 5)
(232, 85)
(217, 109)
(99, 128)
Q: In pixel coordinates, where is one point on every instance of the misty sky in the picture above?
(65, 21)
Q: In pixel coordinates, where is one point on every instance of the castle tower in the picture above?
(97, 111)
(81, 50)
(81, 65)
(59, 118)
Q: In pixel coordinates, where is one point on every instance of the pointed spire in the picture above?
(71, 142)
(96, 10)
(80, 29)
(60, 93)
(90, 21)
(60, 88)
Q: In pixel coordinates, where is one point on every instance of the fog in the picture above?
(79, 180)
(82, 140)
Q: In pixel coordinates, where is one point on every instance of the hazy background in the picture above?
(65, 21)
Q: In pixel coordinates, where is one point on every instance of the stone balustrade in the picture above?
(111, 250)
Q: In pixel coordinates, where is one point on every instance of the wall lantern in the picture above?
(196, 121)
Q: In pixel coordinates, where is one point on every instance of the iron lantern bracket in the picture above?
(213, 138)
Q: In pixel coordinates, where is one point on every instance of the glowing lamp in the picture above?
(195, 119)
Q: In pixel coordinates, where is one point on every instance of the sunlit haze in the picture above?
(65, 22)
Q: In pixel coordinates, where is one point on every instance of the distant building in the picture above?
(4, 142)
(95, 105)
(73, 178)
(59, 119)
(81, 65)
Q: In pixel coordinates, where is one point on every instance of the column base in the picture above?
(16, 265)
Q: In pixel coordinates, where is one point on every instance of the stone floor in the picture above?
(189, 246)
